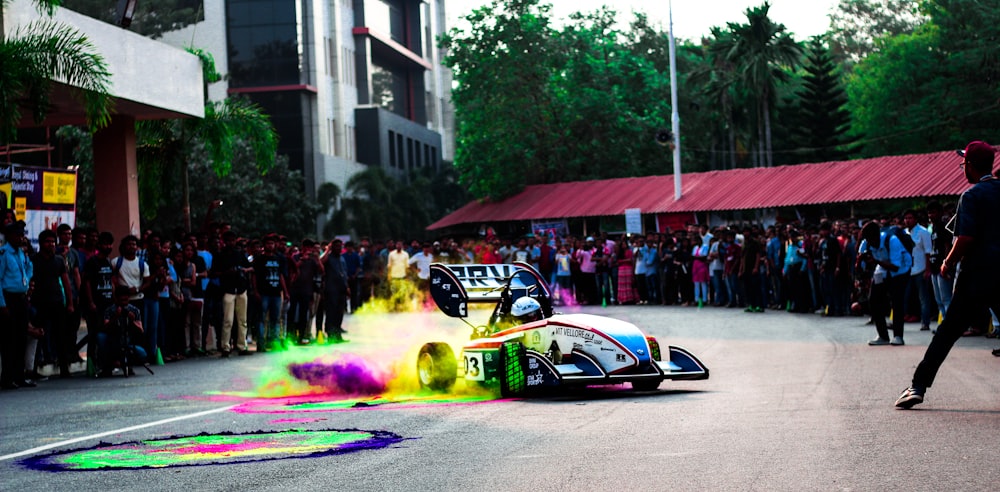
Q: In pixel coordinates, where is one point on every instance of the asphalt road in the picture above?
(795, 402)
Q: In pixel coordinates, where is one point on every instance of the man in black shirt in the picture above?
(97, 290)
(336, 290)
(49, 299)
(233, 269)
(975, 251)
(270, 272)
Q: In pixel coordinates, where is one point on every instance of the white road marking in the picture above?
(108, 433)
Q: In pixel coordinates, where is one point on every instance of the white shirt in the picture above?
(129, 274)
(423, 263)
(921, 247)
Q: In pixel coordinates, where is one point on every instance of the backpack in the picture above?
(903, 237)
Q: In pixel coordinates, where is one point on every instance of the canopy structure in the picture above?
(880, 178)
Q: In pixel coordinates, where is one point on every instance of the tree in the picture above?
(536, 105)
(502, 68)
(824, 121)
(255, 204)
(895, 94)
(761, 50)
(169, 144)
(934, 88)
(35, 55)
(855, 25)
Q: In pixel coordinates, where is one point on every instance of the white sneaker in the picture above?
(878, 341)
(897, 341)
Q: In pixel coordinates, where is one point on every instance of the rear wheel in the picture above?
(513, 378)
(437, 367)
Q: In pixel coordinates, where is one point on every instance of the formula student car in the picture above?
(525, 348)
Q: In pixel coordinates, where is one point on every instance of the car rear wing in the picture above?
(454, 286)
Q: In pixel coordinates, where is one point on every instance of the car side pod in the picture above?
(683, 366)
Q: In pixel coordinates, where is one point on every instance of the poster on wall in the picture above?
(5, 185)
(550, 229)
(42, 197)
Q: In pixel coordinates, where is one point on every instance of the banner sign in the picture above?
(633, 221)
(550, 230)
(42, 197)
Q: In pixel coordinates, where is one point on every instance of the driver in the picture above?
(526, 310)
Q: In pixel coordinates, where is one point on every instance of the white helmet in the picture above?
(526, 309)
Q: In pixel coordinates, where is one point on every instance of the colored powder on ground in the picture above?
(213, 449)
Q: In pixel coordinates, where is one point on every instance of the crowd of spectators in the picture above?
(161, 299)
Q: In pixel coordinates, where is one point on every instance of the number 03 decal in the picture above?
(474, 366)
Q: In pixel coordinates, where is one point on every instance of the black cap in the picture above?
(16, 227)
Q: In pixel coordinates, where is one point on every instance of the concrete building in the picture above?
(348, 83)
(148, 80)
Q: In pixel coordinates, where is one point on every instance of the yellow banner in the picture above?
(20, 207)
(59, 188)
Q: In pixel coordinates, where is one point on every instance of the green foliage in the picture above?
(762, 53)
(32, 57)
(254, 204)
(536, 105)
(381, 206)
(822, 108)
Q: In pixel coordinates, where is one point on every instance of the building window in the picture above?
(427, 156)
(400, 157)
(434, 158)
(409, 152)
(392, 148)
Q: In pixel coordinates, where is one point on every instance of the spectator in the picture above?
(625, 263)
(232, 268)
(699, 271)
(751, 264)
(97, 291)
(421, 263)
(828, 261)
(337, 290)
(892, 271)
(397, 265)
(941, 239)
(121, 323)
(302, 290)
(270, 272)
(16, 272)
(920, 273)
(651, 257)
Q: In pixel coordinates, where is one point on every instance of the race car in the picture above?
(526, 348)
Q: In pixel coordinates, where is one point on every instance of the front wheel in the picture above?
(437, 367)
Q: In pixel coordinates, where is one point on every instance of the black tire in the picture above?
(513, 378)
(646, 385)
(437, 367)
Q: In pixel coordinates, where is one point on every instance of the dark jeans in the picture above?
(885, 296)
(336, 303)
(974, 294)
(924, 293)
(13, 337)
(753, 287)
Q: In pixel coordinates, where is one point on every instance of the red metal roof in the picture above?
(880, 178)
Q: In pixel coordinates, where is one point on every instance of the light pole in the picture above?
(675, 119)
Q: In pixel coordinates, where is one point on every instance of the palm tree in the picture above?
(226, 126)
(760, 50)
(38, 53)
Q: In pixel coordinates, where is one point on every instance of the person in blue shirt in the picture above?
(16, 271)
(892, 272)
